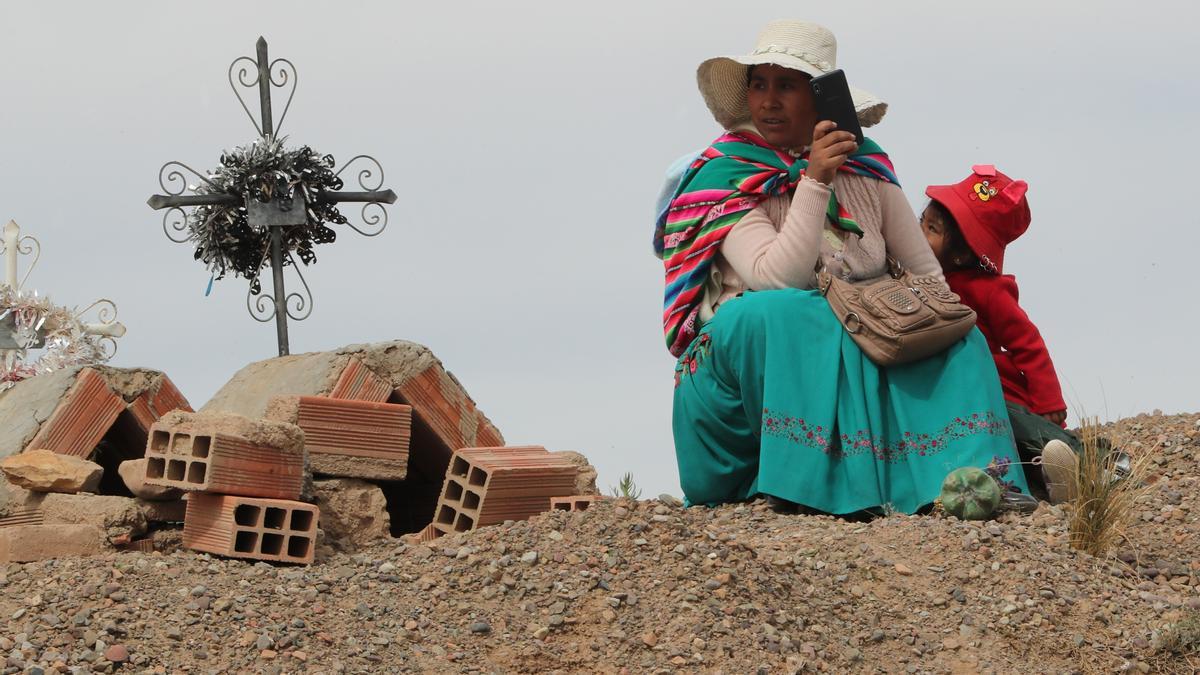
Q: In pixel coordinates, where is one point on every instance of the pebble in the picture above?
(117, 654)
(481, 627)
(529, 557)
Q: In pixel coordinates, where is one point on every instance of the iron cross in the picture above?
(271, 215)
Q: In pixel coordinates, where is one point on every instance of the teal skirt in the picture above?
(773, 397)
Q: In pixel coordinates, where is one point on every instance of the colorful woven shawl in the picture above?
(727, 181)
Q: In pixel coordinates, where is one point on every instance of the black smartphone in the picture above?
(832, 97)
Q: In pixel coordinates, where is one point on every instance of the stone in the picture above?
(133, 473)
(353, 512)
(29, 543)
(117, 654)
(46, 471)
(481, 627)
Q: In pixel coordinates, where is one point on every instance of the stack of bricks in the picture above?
(244, 479)
(485, 486)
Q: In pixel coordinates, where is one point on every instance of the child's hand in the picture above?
(830, 149)
(1058, 417)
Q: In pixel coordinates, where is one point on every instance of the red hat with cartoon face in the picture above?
(991, 210)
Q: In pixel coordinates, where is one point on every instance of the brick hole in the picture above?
(460, 467)
(176, 469)
(562, 506)
(156, 467)
(453, 491)
(471, 501)
(302, 521)
(245, 542)
(201, 447)
(181, 444)
(272, 544)
(274, 518)
(445, 515)
(298, 546)
(478, 477)
(160, 441)
(197, 471)
(582, 505)
(246, 515)
(463, 523)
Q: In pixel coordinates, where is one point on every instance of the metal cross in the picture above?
(272, 215)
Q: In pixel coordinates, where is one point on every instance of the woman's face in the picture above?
(781, 106)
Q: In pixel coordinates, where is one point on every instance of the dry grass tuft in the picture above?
(1182, 637)
(1102, 508)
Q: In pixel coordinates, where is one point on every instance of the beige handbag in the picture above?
(898, 319)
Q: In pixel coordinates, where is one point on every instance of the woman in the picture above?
(772, 396)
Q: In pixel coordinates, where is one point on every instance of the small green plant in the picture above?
(626, 488)
(1182, 637)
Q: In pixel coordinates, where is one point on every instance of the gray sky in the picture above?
(527, 141)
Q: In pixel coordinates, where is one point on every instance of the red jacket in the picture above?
(1026, 372)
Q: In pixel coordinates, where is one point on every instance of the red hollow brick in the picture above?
(245, 527)
(187, 452)
(360, 383)
(439, 404)
(86, 413)
(349, 438)
(168, 398)
(485, 486)
(574, 502)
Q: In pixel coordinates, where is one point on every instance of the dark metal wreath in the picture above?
(264, 170)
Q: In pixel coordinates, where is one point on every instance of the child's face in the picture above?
(935, 234)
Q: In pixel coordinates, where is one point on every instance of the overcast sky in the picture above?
(526, 142)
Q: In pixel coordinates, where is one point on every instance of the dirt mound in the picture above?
(649, 587)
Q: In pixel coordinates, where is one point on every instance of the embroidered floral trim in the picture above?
(693, 357)
(800, 431)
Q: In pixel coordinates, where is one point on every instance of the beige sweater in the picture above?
(776, 245)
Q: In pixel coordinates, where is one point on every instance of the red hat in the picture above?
(991, 210)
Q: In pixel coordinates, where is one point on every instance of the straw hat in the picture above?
(798, 45)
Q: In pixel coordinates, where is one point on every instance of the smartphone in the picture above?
(832, 97)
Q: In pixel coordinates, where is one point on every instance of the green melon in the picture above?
(970, 494)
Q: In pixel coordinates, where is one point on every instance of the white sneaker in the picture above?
(1060, 470)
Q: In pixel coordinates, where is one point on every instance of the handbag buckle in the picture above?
(852, 322)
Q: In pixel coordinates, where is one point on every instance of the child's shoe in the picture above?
(1060, 470)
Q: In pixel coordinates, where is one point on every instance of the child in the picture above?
(968, 225)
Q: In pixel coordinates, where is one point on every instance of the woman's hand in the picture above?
(830, 149)
(1058, 417)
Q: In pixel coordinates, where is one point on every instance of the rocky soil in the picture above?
(648, 587)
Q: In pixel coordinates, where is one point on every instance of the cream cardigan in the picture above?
(776, 245)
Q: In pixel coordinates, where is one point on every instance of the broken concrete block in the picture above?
(47, 471)
(133, 473)
(116, 517)
(28, 543)
(226, 453)
(246, 527)
(585, 482)
(349, 438)
(485, 486)
(353, 512)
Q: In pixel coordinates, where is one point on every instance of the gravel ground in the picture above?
(647, 587)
